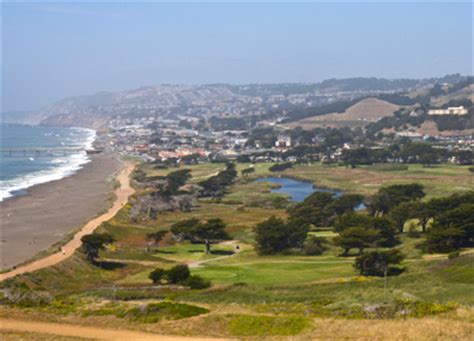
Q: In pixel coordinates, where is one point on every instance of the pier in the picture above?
(39, 152)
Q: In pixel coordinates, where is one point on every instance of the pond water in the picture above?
(299, 190)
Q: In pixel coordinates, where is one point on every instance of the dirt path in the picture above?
(197, 264)
(122, 193)
(89, 332)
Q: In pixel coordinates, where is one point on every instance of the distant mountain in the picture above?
(21, 117)
(214, 99)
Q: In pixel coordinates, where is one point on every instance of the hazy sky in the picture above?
(52, 50)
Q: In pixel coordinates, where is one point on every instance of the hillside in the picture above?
(360, 114)
(266, 101)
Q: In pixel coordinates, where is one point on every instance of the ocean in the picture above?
(20, 171)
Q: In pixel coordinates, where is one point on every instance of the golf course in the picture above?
(252, 295)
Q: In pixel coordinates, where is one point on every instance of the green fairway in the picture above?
(285, 272)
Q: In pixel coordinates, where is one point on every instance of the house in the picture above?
(283, 141)
(449, 111)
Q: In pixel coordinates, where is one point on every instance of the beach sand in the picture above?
(32, 223)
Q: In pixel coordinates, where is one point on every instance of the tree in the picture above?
(387, 231)
(443, 240)
(388, 197)
(352, 219)
(279, 167)
(157, 275)
(213, 229)
(452, 230)
(346, 203)
(178, 273)
(93, 243)
(177, 179)
(197, 282)
(314, 246)
(423, 212)
(182, 230)
(275, 235)
(343, 204)
(215, 186)
(200, 232)
(377, 263)
(314, 209)
(156, 237)
(356, 238)
(462, 218)
(245, 172)
(401, 213)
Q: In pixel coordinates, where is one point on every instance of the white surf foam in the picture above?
(64, 167)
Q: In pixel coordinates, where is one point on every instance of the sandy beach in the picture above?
(32, 223)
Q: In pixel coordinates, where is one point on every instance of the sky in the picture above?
(55, 50)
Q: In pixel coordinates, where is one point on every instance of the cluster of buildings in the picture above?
(449, 111)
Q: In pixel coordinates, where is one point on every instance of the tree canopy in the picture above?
(275, 235)
(199, 231)
(389, 197)
(378, 263)
(356, 238)
(93, 243)
(216, 186)
(451, 230)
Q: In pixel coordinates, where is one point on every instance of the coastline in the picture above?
(49, 212)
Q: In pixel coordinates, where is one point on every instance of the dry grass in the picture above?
(360, 114)
(458, 327)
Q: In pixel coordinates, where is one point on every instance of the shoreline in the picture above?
(63, 165)
(49, 212)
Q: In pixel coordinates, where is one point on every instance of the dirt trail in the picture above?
(89, 332)
(197, 264)
(122, 194)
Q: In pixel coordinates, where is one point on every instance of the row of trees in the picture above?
(323, 208)
(216, 186)
(389, 209)
(412, 152)
(278, 167)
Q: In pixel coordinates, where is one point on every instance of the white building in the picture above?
(450, 111)
(283, 141)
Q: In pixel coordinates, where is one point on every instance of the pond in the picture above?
(299, 190)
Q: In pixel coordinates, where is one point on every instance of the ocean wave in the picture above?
(62, 167)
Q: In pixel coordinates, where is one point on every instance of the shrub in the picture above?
(454, 254)
(280, 202)
(157, 275)
(314, 246)
(197, 282)
(280, 167)
(178, 273)
(247, 325)
(375, 263)
(155, 312)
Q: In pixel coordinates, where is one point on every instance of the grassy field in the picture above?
(439, 180)
(287, 295)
